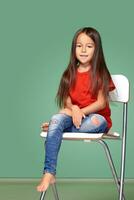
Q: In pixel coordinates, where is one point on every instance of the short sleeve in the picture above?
(111, 85)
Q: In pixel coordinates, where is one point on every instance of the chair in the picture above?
(120, 94)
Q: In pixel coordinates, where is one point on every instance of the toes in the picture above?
(45, 182)
(41, 189)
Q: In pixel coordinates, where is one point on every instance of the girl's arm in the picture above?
(68, 103)
(76, 113)
(97, 105)
(72, 107)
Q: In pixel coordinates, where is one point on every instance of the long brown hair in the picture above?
(99, 72)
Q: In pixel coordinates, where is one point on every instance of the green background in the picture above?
(35, 42)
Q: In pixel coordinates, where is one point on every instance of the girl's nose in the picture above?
(83, 49)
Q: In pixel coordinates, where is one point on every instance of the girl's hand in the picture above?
(66, 111)
(77, 116)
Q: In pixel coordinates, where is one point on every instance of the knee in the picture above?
(97, 120)
(56, 119)
(55, 125)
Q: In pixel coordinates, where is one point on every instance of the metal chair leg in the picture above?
(55, 192)
(123, 154)
(122, 177)
(42, 196)
(114, 173)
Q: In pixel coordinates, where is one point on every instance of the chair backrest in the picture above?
(121, 93)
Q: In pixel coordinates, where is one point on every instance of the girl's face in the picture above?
(85, 47)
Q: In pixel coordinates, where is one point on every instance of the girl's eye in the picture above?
(89, 46)
(78, 45)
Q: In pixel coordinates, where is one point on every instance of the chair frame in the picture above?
(118, 96)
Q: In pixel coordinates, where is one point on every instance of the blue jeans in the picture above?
(60, 123)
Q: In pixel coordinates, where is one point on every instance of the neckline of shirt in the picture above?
(82, 73)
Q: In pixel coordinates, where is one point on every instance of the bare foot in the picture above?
(46, 180)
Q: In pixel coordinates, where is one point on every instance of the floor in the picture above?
(67, 189)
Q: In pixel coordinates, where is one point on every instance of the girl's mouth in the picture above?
(84, 55)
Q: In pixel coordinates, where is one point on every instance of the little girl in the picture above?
(82, 97)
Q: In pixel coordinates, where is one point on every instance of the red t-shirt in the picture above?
(80, 94)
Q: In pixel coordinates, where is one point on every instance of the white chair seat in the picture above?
(85, 136)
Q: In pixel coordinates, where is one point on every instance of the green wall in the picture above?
(35, 42)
